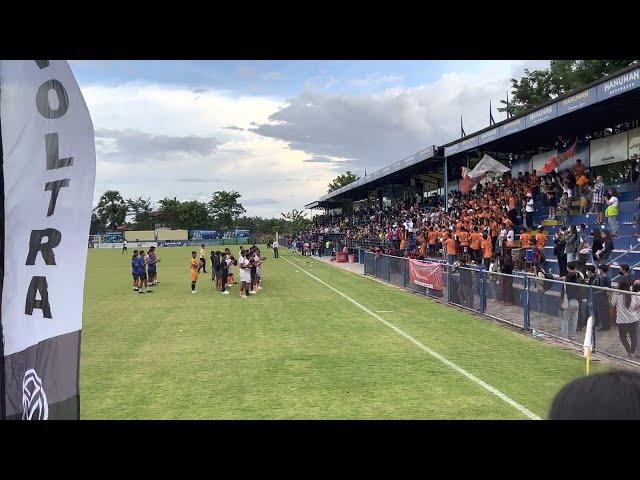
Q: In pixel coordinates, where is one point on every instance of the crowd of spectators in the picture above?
(492, 227)
(491, 222)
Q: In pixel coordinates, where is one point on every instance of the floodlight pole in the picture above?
(446, 186)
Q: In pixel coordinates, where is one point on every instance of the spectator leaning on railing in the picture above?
(627, 315)
(572, 296)
(601, 298)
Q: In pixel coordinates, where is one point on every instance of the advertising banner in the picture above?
(542, 115)
(512, 127)
(577, 101)
(620, 84)
(130, 245)
(49, 167)
(426, 274)
(634, 144)
(611, 149)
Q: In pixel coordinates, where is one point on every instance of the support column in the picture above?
(446, 185)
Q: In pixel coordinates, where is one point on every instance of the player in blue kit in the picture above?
(140, 265)
(134, 273)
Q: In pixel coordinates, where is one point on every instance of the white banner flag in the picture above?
(49, 164)
(488, 164)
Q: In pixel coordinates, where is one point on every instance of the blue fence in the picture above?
(541, 306)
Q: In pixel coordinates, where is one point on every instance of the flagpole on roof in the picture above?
(508, 115)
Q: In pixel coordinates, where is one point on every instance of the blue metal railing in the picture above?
(530, 303)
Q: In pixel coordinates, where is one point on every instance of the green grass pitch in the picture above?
(296, 350)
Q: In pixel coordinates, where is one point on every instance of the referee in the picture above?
(203, 260)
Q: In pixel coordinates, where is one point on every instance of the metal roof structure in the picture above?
(612, 100)
(370, 180)
(589, 108)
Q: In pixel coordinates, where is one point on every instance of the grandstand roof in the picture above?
(372, 180)
(614, 98)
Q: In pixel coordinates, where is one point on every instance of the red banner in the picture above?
(426, 274)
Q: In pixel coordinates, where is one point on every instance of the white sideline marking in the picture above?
(522, 409)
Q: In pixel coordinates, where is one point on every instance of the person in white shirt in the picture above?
(528, 211)
(245, 273)
(275, 247)
(502, 236)
(511, 236)
(203, 259)
(410, 227)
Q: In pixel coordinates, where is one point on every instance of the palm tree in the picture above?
(111, 209)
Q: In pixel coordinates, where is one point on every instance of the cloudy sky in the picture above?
(275, 131)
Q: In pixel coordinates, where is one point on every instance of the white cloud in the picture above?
(379, 128)
(376, 79)
(157, 141)
(321, 82)
(272, 150)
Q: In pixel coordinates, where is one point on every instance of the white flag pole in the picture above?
(588, 341)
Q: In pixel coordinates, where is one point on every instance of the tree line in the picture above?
(223, 212)
(563, 76)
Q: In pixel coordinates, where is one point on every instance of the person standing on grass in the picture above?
(134, 271)
(226, 260)
(258, 259)
(254, 268)
(152, 262)
(142, 272)
(275, 247)
(124, 246)
(203, 260)
(195, 269)
(230, 278)
(627, 311)
(215, 268)
(245, 274)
